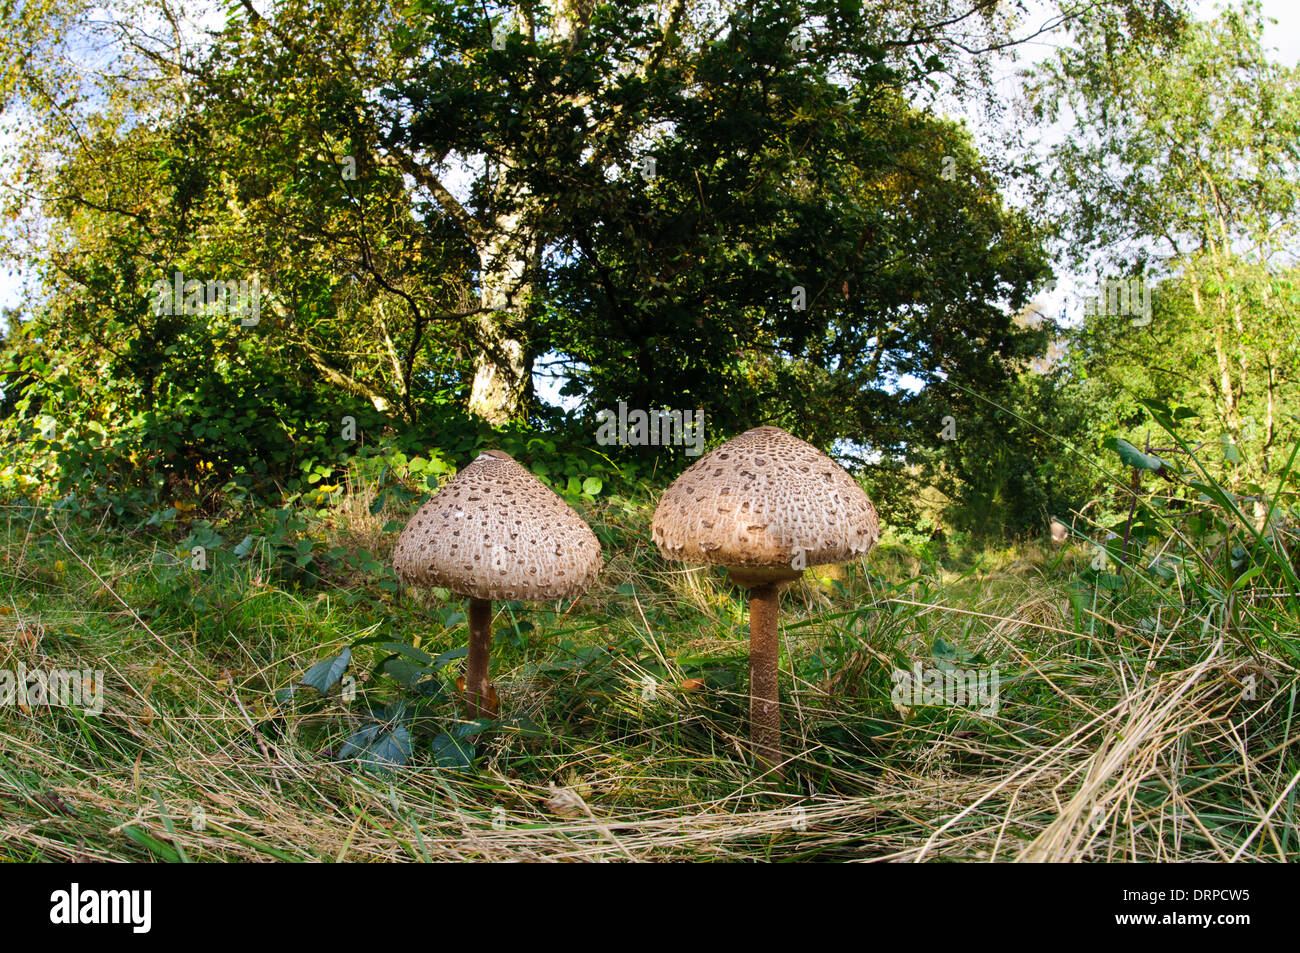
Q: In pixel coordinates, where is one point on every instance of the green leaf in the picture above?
(402, 669)
(148, 841)
(449, 656)
(452, 752)
(470, 729)
(942, 650)
(379, 747)
(325, 675)
(1246, 577)
(431, 687)
(1214, 493)
(410, 651)
(1134, 457)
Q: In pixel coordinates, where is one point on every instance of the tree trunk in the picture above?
(509, 259)
(502, 375)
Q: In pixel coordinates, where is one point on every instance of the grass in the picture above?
(1137, 722)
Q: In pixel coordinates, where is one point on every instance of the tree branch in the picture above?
(458, 213)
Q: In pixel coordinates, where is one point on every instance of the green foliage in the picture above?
(1225, 555)
(316, 166)
(1181, 169)
(326, 673)
(407, 700)
(1013, 463)
(1133, 457)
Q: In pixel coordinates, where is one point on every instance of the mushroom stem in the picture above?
(476, 664)
(764, 674)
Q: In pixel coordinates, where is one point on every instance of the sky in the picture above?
(1283, 37)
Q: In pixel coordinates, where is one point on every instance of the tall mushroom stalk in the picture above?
(478, 689)
(765, 672)
(765, 506)
(496, 532)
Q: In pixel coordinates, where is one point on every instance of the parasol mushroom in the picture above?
(765, 506)
(494, 532)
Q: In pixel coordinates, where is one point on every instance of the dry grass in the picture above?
(1112, 742)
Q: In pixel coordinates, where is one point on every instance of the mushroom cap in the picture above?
(494, 532)
(761, 501)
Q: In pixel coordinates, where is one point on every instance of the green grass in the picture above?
(1122, 733)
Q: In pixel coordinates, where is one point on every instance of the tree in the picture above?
(1184, 163)
(667, 198)
(647, 189)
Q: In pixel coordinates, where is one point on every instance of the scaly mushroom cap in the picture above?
(765, 505)
(495, 531)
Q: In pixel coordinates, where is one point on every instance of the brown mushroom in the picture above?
(496, 532)
(765, 505)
